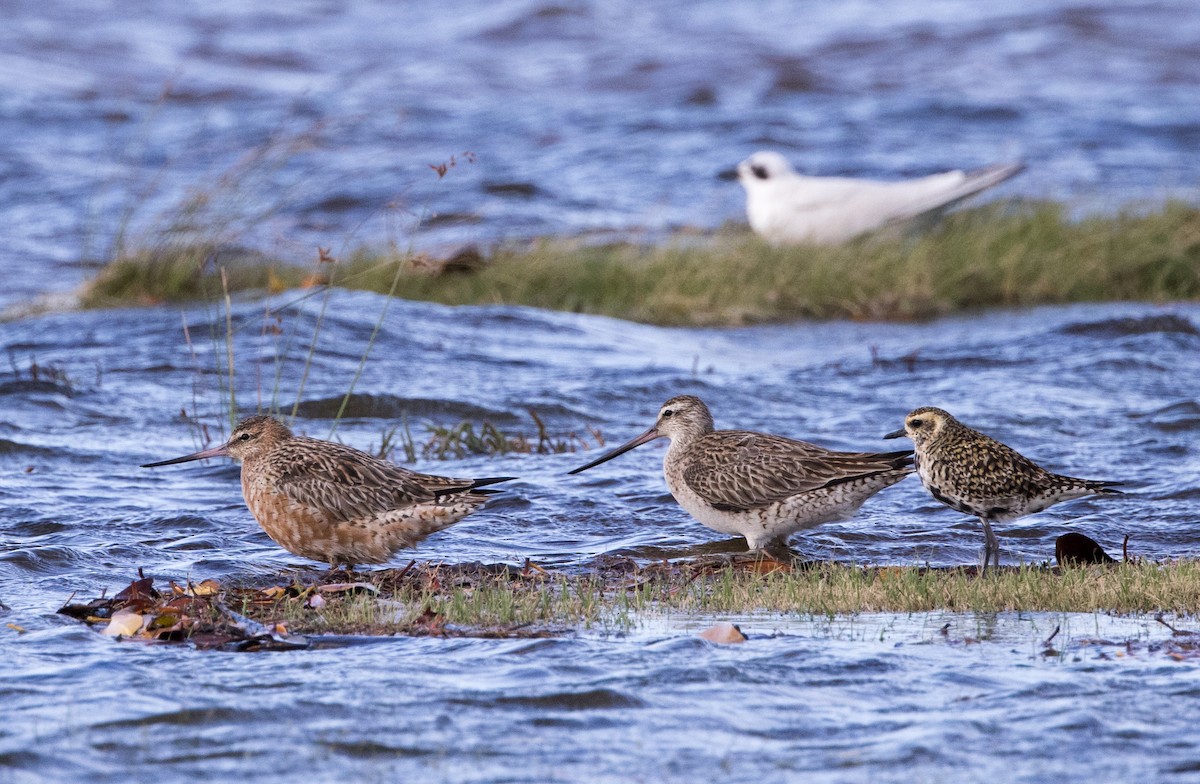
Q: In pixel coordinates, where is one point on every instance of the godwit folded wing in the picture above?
(737, 470)
(349, 485)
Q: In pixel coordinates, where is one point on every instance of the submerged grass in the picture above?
(434, 599)
(1012, 254)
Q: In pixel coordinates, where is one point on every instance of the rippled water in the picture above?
(314, 123)
(851, 700)
(1103, 390)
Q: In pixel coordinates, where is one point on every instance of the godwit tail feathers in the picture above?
(474, 486)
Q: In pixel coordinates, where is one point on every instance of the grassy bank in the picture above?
(617, 593)
(998, 255)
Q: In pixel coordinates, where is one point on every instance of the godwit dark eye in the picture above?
(668, 414)
(244, 437)
(916, 423)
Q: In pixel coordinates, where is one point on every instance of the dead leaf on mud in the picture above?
(209, 587)
(139, 593)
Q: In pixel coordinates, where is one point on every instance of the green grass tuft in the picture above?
(185, 273)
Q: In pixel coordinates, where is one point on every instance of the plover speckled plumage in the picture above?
(331, 502)
(759, 486)
(976, 474)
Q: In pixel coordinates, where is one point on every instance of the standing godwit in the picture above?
(976, 474)
(786, 208)
(755, 485)
(331, 502)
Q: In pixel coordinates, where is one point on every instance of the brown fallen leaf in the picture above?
(209, 587)
(16, 628)
(139, 591)
(183, 604)
(723, 634)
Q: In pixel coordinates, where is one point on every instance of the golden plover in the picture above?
(973, 473)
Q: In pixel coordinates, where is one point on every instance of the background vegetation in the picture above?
(1000, 255)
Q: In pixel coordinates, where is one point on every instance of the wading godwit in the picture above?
(976, 474)
(333, 503)
(755, 485)
(786, 208)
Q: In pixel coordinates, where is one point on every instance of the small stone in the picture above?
(723, 634)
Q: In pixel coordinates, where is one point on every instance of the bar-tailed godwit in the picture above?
(759, 486)
(333, 503)
(976, 474)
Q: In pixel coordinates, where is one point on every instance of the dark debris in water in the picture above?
(383, 406)
(191, 613)
(525, 190)
(202, 614)
(1167, 323)
(32, 387)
